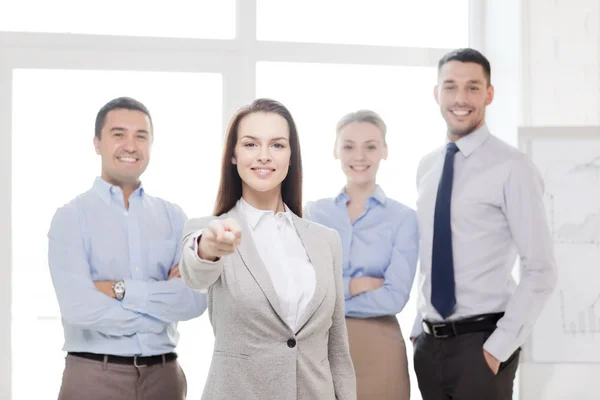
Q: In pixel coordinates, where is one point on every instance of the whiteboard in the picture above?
(568, 159)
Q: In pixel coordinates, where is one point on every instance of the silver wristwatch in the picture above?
(119, 289)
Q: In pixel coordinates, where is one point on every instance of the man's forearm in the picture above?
(106, 287)
(168, 301)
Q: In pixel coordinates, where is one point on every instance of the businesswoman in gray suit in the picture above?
(274, 280)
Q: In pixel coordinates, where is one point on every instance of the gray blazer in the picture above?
(256, 355)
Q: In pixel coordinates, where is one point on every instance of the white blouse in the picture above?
(285, 258)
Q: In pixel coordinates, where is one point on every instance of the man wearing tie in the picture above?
(480, 204)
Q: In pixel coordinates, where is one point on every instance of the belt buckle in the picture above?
(434, 328)
(136, 364)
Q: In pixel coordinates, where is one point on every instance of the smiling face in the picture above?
(124, 145)
(262, 153)
(463, 92)
(360, 147)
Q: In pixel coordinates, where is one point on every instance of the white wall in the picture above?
(545, 58)
(5, 234)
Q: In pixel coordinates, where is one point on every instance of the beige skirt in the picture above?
(379, 356)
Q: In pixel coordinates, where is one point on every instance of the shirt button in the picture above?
(291, 343)
(126, 213)
(137, 268)
(151, 329)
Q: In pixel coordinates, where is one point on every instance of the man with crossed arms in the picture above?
(114, 253)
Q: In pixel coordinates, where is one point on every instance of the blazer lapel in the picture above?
(316, 250)
(250, 257)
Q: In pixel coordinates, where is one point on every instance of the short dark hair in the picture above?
(126, 103)
(468, 55)
(230, 185)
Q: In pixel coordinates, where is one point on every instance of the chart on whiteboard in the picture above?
(568, 330)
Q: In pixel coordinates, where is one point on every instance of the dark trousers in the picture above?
(454, 368)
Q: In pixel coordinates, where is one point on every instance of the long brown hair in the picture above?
(230, 185)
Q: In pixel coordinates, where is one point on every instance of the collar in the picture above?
(106, 190)
(378, 196)
(471, 142)
(253, 215)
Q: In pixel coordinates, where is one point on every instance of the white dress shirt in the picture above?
(497, 212)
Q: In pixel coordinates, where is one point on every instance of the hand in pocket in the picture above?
(492, 362)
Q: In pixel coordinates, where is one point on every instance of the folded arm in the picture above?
(80, 302)
(168, 301)
(392, 296)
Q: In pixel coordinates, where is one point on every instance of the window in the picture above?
(376, 22)
(54, 160)
(219, 56)
(177, 18)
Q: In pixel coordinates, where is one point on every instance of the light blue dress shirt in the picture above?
(95, 238)
(383, 242)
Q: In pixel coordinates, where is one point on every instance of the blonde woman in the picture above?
(380, 243)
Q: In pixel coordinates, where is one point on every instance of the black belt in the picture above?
(137, 361)
(478, 323)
